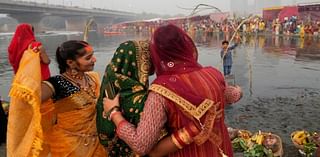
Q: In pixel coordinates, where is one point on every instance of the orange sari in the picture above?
(75, 134)
(31, 132)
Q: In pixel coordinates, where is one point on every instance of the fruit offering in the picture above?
(258, 145)
(300, 137)
(306, 142)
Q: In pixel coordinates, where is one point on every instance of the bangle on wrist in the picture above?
(107, 114)
(179, 138)
(114, 112)
(184, 136)
(175, 141)
(192, 130)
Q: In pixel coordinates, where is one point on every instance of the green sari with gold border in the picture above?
(129, 71)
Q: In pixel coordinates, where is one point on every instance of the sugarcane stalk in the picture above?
(86, 29)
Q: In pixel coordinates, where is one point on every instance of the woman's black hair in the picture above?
(69, 50)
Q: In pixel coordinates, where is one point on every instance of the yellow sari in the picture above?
(31, 131)
(24, 134)
(75, 133)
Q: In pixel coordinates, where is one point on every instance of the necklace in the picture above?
(75, 76)
(88, 87)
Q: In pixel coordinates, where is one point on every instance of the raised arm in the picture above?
(233, 46)
(232, 94)
(43, 56)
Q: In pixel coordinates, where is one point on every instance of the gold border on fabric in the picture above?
(196, 112)
(143, 60)
(206, 107)
(80, 99)
(96, 78)
(207, 128)
(76, 101)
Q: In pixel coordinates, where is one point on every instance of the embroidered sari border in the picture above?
(196, 112)
(143, 60)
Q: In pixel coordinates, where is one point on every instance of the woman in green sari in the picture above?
(128, 69)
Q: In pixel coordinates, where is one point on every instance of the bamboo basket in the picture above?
(295, 143)
(234, 133)
(301, 147)
(245, 131)
(278, 153)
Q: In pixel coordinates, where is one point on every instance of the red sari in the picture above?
(23, 37)
(175, 58)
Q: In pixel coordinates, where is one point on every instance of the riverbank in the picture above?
(280, 115)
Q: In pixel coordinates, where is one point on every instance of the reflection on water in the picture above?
(263, 65)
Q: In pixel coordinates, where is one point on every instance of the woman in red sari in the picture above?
(183, 93)
(23, 39)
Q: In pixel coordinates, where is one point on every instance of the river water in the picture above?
(263, 65)
(280, 76)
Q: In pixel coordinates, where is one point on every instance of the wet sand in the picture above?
(279, 115)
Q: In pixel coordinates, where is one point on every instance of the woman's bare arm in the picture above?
(47, 91)
(163, 148)
(168, 145)
(43, 56)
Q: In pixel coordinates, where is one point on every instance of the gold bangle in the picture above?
(184, 136)
(175, 142)
(50, 86)
(112, 113)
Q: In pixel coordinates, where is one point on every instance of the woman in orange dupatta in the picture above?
(72, 132)
(186, 98)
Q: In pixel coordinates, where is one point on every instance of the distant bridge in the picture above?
(75, 17)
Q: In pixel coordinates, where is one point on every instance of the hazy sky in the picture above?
(154, 6)
(165, 6)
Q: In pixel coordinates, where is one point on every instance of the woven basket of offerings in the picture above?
(273, 142)
(306, 142)
(260, 144)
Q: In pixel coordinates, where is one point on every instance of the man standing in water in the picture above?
(226, 54)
